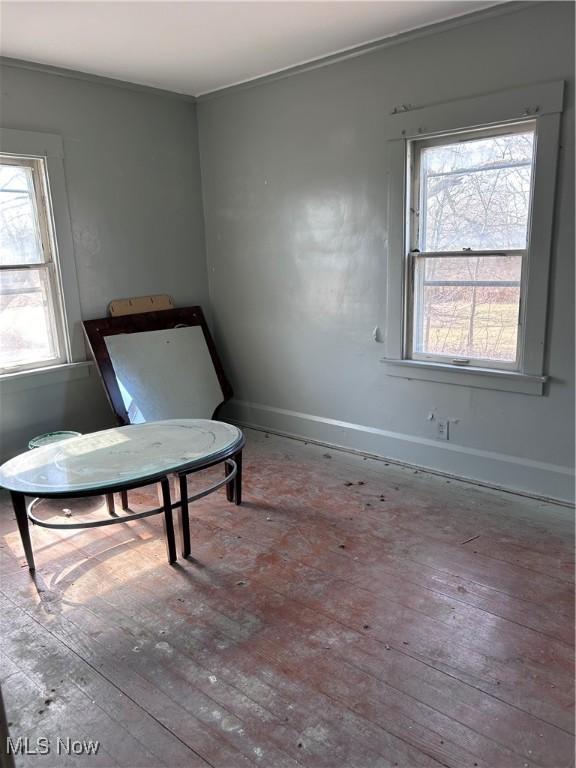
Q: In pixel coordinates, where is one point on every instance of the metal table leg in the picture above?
(110, 505)
(110, 502)
(234, 487)
(231, 486)
(19, 504)
(168, 520)
(184, 517)
(232, 480)
(238, 479)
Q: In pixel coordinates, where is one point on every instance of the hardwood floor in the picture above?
(350, 614)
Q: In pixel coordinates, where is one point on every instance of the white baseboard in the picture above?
(497, 470)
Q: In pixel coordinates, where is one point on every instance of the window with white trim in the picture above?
(471, 189)
(469, 214)
(32, 328)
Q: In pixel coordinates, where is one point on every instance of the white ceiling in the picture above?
(198, 47)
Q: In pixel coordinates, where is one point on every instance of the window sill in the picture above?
(40, 377)
(484, 378)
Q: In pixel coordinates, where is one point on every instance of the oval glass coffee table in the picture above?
(120, 459)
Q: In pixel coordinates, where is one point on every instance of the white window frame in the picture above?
(414, 223)
(48, 264)
(49, 148)
(540, 105)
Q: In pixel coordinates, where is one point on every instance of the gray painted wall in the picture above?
(294, 179)
(132, 172)
(295, 196)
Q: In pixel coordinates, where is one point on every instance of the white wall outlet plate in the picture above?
(443, 429)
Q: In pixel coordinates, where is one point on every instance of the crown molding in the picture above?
(48, 69)
(498, 9)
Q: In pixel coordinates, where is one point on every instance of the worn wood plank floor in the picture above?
(351, 614)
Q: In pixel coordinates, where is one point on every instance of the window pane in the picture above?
(19, 232)
(476, 194)
(467, 307)
(26, 321)
(475, 268)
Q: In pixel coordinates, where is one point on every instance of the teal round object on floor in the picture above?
(52, 437)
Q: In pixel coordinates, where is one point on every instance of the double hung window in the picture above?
(470, 199)
(32, 330)
(470, 222)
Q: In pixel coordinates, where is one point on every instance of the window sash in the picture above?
(414, 159)
(414, 301)
(41, 207)
(49, 264)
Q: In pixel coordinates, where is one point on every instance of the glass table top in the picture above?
(121, 455)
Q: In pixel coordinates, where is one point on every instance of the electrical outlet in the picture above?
(443, 429)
